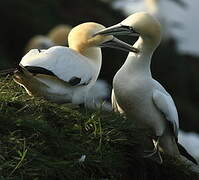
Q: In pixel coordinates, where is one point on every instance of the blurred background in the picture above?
(175, 63)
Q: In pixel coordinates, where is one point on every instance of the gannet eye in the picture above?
(128, 27)
(132, 30)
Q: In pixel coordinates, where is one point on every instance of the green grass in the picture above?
(42, 140)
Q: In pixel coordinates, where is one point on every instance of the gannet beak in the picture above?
(118, 29)
(118, 44)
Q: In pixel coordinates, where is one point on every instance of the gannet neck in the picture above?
(93, 53)
(146, 45)
(94, 56)
(138, 64)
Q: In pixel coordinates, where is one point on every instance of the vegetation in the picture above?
(42, 140)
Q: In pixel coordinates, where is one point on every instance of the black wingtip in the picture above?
(184, 152)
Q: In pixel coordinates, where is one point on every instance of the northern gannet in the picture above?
(38, 42)
(59, 34)
(99, 92)
(136, 94)
(61, 74)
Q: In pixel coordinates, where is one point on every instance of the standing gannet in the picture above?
(63, 74)
(136, 94)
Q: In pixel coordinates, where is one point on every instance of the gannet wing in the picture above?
(62, 62)
(165, 105)
(32, 53)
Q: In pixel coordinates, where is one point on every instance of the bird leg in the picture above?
(150, 153)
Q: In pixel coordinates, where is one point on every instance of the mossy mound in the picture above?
(42, 140)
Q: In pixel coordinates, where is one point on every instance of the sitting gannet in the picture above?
(58, 36)
(38, 42)
(136, 94)
(61, 74)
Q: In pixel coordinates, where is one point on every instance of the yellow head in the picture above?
(82, 37)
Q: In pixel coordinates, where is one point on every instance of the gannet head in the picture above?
(59, 34)
(144, 24)
(140, 23)
(82, 37)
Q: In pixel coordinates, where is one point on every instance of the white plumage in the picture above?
(165, 104)
(64, 62)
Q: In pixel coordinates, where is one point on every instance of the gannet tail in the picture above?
(184, 153)
(28, 80)
(21, 69)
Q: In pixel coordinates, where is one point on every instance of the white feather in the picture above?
(165, 104)
(64, 62)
